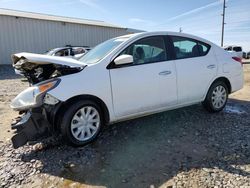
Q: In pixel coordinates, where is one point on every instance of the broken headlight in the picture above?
(33, 96)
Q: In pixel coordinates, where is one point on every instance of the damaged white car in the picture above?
(122, 78)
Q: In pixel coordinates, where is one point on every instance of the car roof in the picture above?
(155, 33)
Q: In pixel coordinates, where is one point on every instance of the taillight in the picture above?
(238, 59)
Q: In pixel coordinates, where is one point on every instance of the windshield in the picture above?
(101, 50)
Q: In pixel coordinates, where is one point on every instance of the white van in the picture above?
(237, 50)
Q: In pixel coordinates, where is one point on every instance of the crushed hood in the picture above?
(45, 59)
(37, 67)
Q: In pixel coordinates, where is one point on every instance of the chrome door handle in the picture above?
(165, 73)
(211, 66)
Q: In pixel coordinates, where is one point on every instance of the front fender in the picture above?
(91, 81)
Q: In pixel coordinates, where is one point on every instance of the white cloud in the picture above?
(93, 4)
(6, 1)
(196, 10)
(136, 20)
(140, 21)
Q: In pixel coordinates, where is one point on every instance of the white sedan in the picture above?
(123, 78)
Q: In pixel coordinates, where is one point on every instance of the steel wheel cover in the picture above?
(219, 96)
(85, 123)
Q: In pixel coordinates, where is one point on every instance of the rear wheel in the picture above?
(82, 123)
(216, 98)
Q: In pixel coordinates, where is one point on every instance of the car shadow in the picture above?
(8, 72)
(153, 149)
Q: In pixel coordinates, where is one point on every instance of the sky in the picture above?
(198, 17)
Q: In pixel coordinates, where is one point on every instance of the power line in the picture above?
(223, 22)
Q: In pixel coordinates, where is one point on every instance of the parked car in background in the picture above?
(248, 55)
(69, 51)
(120, 79)
(244, 55)
(237, 50)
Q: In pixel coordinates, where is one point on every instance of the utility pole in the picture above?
(223, 22)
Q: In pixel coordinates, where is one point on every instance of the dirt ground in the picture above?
(187, 147)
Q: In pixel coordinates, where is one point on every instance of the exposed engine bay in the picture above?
(36, 73)
(37, 68)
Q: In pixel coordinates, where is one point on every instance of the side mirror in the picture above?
(123, 59)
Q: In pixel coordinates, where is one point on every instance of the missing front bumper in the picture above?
(30, 127)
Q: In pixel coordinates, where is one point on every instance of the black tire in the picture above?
(68, 116)
(208, 103)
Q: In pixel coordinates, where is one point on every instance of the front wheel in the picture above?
(82, 123)
(216, 98)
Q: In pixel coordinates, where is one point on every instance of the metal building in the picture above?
(32, 32)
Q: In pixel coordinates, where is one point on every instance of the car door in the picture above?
(195, 66)
(149, 83)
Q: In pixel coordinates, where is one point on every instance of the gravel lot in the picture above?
(188, 147)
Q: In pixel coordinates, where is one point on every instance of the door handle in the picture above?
(164, 73)
(211, 66)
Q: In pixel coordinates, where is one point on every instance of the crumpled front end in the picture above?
(36, 105)
(36, 123)
(30, 126)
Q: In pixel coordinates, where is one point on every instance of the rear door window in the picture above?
(187, 48)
